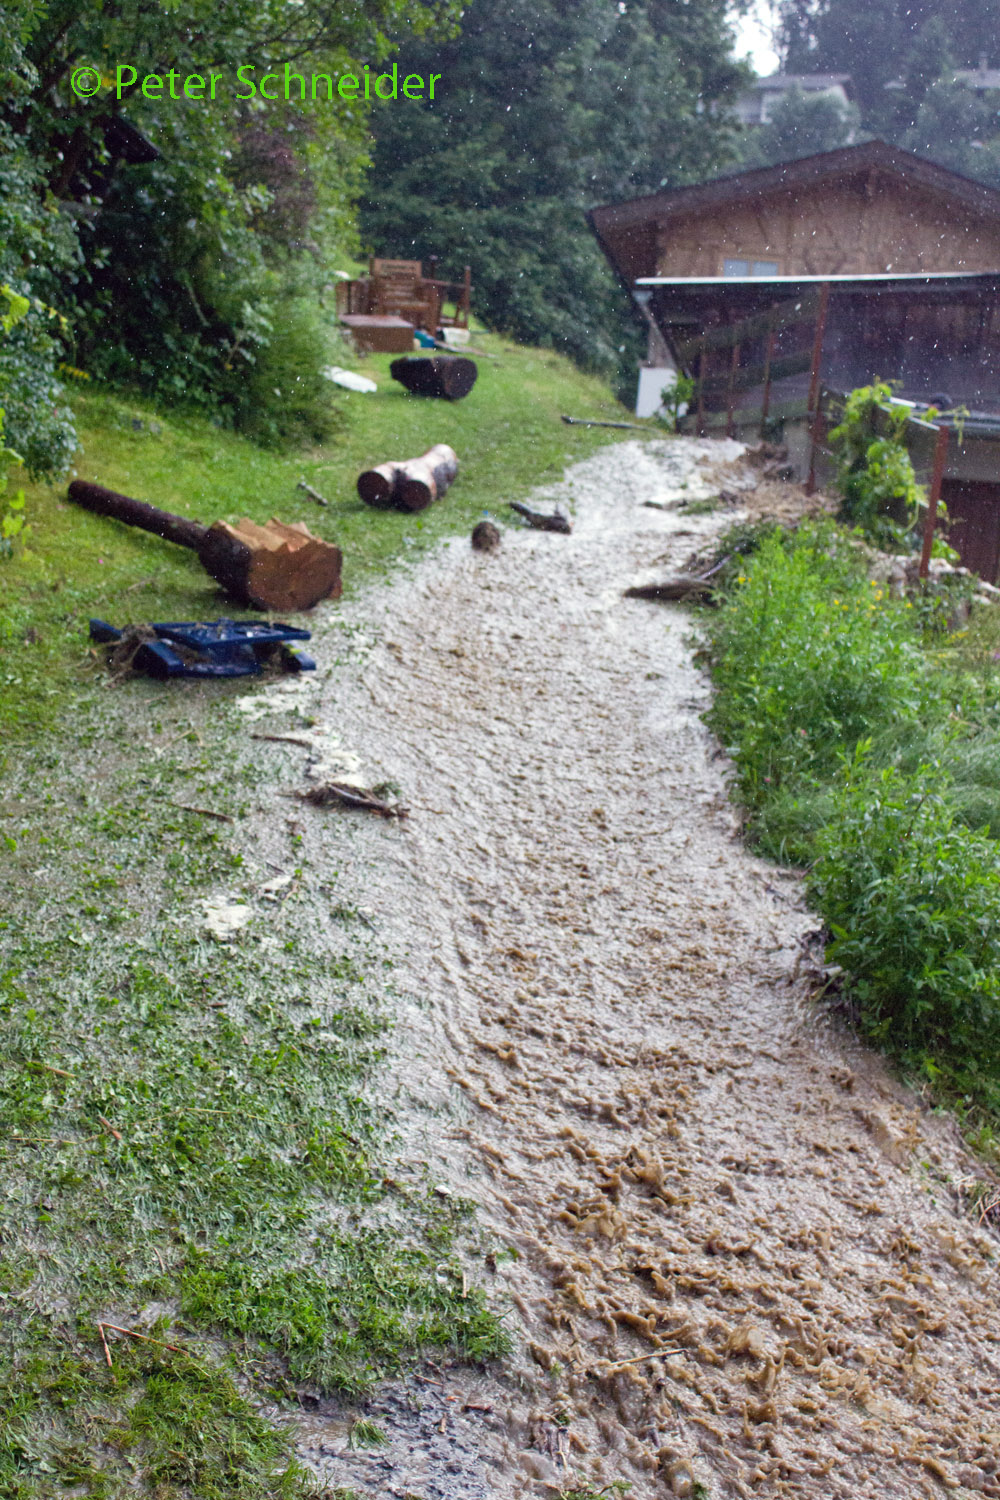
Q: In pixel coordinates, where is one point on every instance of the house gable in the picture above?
(862, 209)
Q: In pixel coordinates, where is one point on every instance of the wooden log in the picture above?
(412, 484)
(679, 588)
(450, 376)
(274, 567)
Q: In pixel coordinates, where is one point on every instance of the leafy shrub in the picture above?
(874, 474)
(36, 245)
(912, 899)
(808, 659)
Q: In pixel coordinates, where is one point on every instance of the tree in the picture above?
(902, 56)
(186, 281)
(801, 125)
(544, 109)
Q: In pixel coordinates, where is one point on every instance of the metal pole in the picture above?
(730, 394)
(933, 497)
(812, 406)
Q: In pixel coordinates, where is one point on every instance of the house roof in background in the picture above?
(809, 83)
(626, 231)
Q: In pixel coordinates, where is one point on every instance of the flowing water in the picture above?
(742, 1266)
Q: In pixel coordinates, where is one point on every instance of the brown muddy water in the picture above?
(741, 1263)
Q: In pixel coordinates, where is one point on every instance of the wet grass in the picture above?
(866, 744)
(192, 1145)
(507, 434)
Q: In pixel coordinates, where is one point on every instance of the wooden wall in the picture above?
(866, 223)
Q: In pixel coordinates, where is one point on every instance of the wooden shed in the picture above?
(769, 286)
(858, 210)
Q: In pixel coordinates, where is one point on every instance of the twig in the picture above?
(108, 1125)
(582, 422)
(313, 494)
(285, 739)
(131, 1333)
(107, 1351)
(205, 812)
(351, 796)
(54, 1140)
(60, 1072)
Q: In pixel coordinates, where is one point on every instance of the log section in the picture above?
(448, 376)
(273, 567)
(412, 484)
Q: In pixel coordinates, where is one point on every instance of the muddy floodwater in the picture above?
(742, 1264)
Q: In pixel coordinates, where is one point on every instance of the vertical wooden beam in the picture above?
(933, 498)
(731, 392)
(812, 404)
(700, 419)
(768, 356)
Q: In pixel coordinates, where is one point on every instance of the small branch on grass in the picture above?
(313, 494)
(48, 1068)
(130, 1333)
(582, 422)
(285, 739)
(108, 1125)
(205, 812)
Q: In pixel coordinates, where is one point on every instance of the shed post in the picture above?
(933, 497)
(813, 402)
(731, 393)
(768, 356)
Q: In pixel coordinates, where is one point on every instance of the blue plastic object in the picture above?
(218, 648)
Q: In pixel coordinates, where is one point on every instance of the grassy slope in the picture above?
(187, 1139)
(507, 435)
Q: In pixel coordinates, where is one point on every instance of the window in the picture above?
(750, 268)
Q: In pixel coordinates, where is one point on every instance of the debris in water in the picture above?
(368, 799)
(485, 537)
(541, 521)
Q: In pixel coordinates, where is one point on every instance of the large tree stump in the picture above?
(449, 375)
(276, 567)
(412, 484)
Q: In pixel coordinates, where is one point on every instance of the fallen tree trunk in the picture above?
(446, 375)
(275, 567)
(413, 484)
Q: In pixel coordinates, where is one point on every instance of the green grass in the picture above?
(193, 1142)
(866, 745)
(507, 434)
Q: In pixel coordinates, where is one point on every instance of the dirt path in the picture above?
(742, 1267)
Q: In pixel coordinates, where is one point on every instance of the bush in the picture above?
(808, 659)
(912, 899)
(36, 245)
(875, 474)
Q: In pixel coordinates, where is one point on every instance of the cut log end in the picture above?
(448, 376)
(274, 567)
(413, 484)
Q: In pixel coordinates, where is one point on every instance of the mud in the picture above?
(742, 1265)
